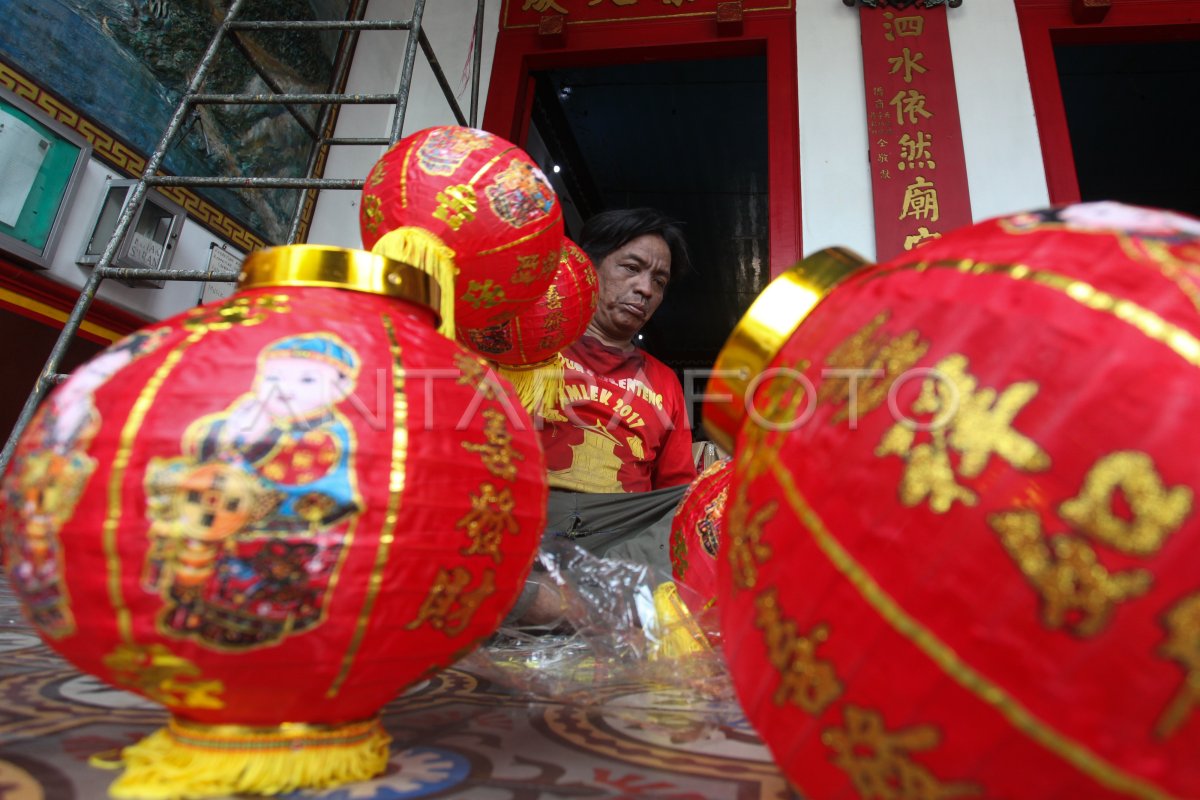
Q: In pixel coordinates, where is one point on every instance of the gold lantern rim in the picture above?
(762, 331)
(340, 268)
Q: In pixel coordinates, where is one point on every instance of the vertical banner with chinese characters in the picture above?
(918, 170)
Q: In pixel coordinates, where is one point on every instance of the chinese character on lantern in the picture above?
(879, 761)
(973, 421)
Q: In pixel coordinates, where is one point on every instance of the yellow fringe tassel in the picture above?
(537, 385)
(419, 248)
(678, 633)
(189, 760)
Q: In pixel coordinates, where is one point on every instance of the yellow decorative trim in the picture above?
(537, 385)
(53, 313)
(514, 243)
(339, 268)
(490, 163)
(769, 323)
(116, 481)
(1154, 327)
(396, 482)
(951, 664)
(269, 737)
(188, 759)
(422, 250)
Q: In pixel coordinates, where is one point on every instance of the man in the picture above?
(619, 447)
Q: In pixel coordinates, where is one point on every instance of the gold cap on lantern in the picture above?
(339, 268)
(756, 340)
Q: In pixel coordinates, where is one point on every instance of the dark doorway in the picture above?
(689, 138)
(1132, 113)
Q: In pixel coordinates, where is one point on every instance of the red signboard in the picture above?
(527, 13)
(918, 171)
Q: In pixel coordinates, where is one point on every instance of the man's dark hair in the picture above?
(609, 230)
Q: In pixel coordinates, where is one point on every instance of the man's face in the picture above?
(632, 281)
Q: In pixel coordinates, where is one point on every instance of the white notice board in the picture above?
(221, 261)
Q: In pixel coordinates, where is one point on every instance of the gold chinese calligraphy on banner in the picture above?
(918, 170)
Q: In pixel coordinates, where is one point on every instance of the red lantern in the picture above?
(696, 539)
(555, 321)
(962, 534)
(474, 211)
(270, 515)
(527, 346)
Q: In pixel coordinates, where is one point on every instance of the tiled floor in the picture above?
(458, 735)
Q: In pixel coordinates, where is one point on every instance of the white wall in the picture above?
(1004, 154)
(449, 27)
(1004, 162)
(191, 252)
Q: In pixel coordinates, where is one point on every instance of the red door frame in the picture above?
(520, 52)
(1045, 23)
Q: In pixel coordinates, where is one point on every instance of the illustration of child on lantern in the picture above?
(50, 471)
(248, 525)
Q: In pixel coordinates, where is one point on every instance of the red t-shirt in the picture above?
(621, 425)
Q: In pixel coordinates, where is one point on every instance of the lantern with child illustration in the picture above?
(962, 529)
(304, 475)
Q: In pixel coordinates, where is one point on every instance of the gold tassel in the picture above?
(537, 385)
(676, 628)
(419, 248)
(190, 760)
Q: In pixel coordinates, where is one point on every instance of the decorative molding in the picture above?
(125, 159)
(1089, 12)
(900, 5)
(529, 14)
(730, 16)
(33, 295)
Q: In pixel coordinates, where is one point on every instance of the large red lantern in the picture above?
(473, 210)
(962, 532)
(696, 539)
(270, 515)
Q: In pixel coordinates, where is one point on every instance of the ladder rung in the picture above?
(322, 25)
(283, 99)
(256, 183)
(130, 274)
(349, 140)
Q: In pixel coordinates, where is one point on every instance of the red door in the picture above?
(586, 34)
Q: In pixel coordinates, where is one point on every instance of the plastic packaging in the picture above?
(622, 625)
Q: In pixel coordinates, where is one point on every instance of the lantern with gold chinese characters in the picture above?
(962, 534)
(474, 211)
(696, 540)
(527, 346)
(270, 515)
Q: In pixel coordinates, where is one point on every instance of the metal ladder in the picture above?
(228, 29)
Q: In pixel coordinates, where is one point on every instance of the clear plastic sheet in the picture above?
(624, 636)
